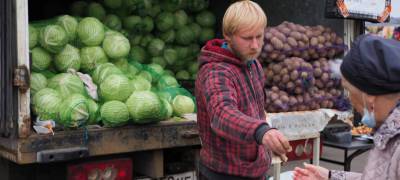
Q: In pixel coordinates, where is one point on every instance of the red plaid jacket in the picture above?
(230, 101)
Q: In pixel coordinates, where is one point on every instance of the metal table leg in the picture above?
(316, 151)
(347, 161)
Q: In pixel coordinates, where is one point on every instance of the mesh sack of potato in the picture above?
(323, 75)
(310, 43)
(280, 101)
(292, 75)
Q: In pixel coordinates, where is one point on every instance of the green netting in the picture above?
(155, 70)
(170, 93)
(74, 111)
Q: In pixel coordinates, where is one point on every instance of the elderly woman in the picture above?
(371, 77)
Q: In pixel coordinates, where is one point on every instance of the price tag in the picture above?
(366, 7)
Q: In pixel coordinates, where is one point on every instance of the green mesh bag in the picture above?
(74, 111)
(169, 93)
(94, 112)
(155, 70)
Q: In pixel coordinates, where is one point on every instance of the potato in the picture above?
(328, 95)
(276, 68)
(323, 60)
(301, 44)
(314, 106)
(325, 77)
(271, 109)
(280, 36)
(309, 34)
(330, 104)
(320, 47)
(292, 42)
(316, 33)
(301, 29)
(302, 108)
(287, 48)
(281, 57)
(296, 35)
(268, 35)
(304, 74)
(314, 41)
(275, 89)
(292, 26)
(330, 84)
(281, 26)
(298, 82)
(319, 83)
(282, 93)
(269, 75)
(286, 31)
(321, 39)
(274, 96)
(289, 66)
(273, 31)
(276, 79)
(335, 92)
(317, 64)
(305, 38)
(276, 43)
(284, 71)
(278, 103)
(323, 53)
(317, 72)
(284, 99)
(300, 99)
(308, 65)
(298, 90)
(296, 62)
(273, 55)
(290, 86)
(268, 48)
(285, 78)
(325, 104)
(307, 98)
(292, 101)
(327, 36)
(294, 75)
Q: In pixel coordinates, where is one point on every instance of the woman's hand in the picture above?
(310, 172)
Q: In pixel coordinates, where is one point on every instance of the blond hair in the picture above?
(243, 14)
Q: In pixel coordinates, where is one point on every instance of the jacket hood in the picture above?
(213, 52)
(389, 129)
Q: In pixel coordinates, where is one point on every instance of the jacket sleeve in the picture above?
(226, 119)
(343, 175)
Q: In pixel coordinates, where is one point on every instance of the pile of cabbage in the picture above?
(166, 32)
(83, 74)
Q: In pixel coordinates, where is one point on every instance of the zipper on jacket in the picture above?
(250, 81)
